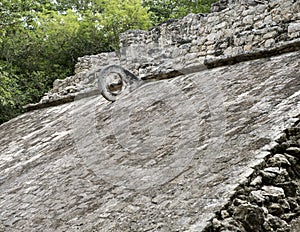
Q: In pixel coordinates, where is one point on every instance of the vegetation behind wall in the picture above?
(40, 41)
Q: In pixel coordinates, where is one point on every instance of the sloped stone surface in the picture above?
(272, 207)
(244, 30)
(164, 157)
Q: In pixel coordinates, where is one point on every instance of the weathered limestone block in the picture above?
(294, 27)
(251, 217)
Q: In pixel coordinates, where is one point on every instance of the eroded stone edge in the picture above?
(269, 199)
(207, 64)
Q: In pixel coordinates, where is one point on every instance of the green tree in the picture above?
(40, 41)
(119, 16)
(162, 10)
(10, 94)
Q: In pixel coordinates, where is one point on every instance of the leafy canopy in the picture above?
(162, 10)
(41, 40)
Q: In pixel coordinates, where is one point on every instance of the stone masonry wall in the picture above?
(270, 198)
(240, 28)
(244, 30)
(199, 38)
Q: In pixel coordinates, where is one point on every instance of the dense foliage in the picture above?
(162, 10)
(41, 40)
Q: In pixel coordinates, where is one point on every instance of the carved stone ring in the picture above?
(113, 80)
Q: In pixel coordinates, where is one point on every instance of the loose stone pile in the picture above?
(235, 31)
(271, 199)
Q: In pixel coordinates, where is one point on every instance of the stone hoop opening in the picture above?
(113, 80)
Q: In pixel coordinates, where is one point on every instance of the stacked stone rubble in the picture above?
(270, 201)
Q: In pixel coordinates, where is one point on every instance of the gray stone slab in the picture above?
(164, 157)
